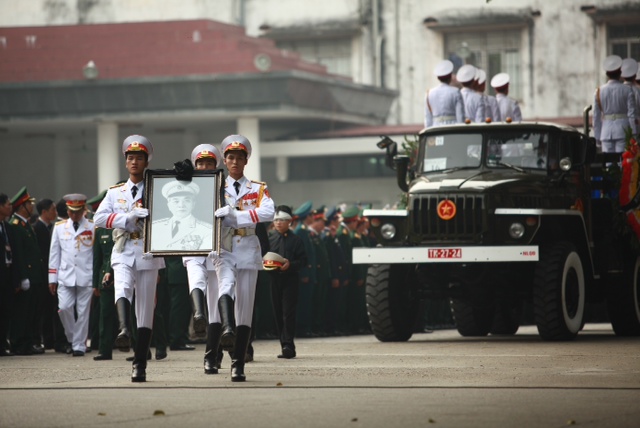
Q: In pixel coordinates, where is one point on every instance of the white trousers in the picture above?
(242, 283)
(78, 298)
(613, 146)
(126, 279)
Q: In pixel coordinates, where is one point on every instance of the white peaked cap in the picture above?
(481, 77)
(499, 80)
(629, 67)
(466, 73)
(612, 63)
(443, 68)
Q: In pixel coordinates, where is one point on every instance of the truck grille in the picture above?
(466, 226)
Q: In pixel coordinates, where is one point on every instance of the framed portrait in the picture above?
(181, 218)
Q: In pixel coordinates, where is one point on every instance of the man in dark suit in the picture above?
(49, 325)
(285, 277)
(8, 273)
(33, 277)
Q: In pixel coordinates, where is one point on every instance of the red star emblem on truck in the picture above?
(446, 209)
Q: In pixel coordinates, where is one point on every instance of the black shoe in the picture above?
(138, 373)
(200, 326)
(37, 349)
(182, 348)
(161, 355)
(102, 357)
(287, 352)
(69, 349)
(24, 351)
(123, 342)
(6, 353)
(129, 358)
(78, 354)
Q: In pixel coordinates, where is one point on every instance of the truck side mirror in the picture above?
(391, 148)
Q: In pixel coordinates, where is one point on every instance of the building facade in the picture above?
(309, 76)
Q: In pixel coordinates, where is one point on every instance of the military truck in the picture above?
(501, 217)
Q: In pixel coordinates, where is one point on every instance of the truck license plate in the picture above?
(445, 253)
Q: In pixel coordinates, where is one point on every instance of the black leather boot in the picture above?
(141, 352)
(225, 306)
(123, 308)
(211, 351)
(199, 318)
(243, 334)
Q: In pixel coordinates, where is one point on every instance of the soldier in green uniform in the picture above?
(339, 271)
(344, 239)
(307, 272)
(323, 273)
(103, 286)
(357, 301)
(32, 271)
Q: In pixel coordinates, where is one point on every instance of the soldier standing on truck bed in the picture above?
(443, 104)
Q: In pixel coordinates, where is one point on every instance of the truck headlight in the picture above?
(516, 230)
(388, 231)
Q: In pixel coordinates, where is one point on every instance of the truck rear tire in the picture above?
(559, 292)
(392, 304)
(623, 301)
(473, 316)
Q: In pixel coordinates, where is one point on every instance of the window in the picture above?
(492, 51)
(335, 54)
(624, 41)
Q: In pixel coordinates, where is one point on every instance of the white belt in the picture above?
(615, 116)
(444, 118)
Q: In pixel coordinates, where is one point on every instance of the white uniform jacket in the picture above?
(509, 108)
(474, 108)
(71, 254)
(443, 105)
(112, 214)
(613, 111)
(491, 108)
(636, 93)
(253, 205)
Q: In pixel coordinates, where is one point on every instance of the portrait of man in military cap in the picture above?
(182, 215)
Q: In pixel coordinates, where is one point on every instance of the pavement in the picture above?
(437, 379)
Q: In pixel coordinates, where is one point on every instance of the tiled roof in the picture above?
(135, 50)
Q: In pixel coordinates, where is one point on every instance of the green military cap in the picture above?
(351, 213)
(94, 202)
(303, 210)
(21, 197)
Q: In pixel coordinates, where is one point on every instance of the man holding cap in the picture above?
(443, 104)
(32, 272)
(285, 260)
(509, 108)
(71, 271)
(248, 203)
(121, 210)
(474, 108)
(613, 109)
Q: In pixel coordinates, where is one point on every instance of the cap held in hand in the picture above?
(273, 261)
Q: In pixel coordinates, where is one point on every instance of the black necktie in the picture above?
(134, 191)
(237, 186)
(75, 226)
(175, 228)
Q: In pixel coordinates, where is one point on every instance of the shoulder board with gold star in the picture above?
(117, 185)
(15, 221)
(262, 183)
(61, 222)
(90, 220)
(345, 231)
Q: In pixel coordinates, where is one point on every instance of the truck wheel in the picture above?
(392, 304)
(623, 302)
(506, 320)
(559, 292)
(473, 316)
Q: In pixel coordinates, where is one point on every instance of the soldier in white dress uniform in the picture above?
(443, 104)
(509, 108)
(122, 211)
(613, 109)
(474, 107)
(182, 231)
(71, 271)
(491, 110)
(203, 280)
(248, 203)
(629, 70)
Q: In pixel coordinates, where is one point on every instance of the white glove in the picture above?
(225, 211)
(213, 256)
(147, 256)
(25, 284)
(138, 212)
